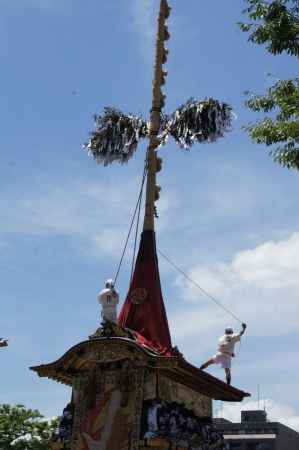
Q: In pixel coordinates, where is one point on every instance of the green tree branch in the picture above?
(24, 429)
(276, 24)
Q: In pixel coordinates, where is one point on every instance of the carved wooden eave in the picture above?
(86, 355)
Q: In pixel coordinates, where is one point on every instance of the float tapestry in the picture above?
(108, 409)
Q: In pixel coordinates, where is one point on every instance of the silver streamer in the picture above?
(203, 121)
(116, 136)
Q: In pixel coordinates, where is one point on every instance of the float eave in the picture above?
(88, 354)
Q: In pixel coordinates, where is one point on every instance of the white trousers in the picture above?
(223, 359)
(109, 314)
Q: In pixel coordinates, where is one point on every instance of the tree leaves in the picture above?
(24, 429)
(276, 24)
(283, 95)
(282, 99)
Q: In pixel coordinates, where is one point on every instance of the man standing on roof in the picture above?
(108, 299)
(226, 351)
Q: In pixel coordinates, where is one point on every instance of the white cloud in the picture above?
(94, 214)
(260, 286)
(269, 282)
(109, 241)
(276, 412)
(144, 16)
(74, 207)
(271, 265)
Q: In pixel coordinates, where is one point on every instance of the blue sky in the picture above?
(228, 214)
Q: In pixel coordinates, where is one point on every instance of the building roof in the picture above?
(252, 422)
(258, 427)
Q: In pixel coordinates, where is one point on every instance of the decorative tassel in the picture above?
(204, 121)
(116, 136)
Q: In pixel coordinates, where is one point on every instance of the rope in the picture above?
(136, 234)
(199, 287)
(137, 208)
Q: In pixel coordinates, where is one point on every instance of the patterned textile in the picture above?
(109, 407)
(179, 425)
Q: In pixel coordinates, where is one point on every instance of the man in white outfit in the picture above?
(225, 352)
(108, 298)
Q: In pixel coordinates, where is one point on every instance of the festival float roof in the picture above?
(86, 355)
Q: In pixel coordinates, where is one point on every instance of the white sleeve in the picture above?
(102, 298)
(222, 341)
(236, 337)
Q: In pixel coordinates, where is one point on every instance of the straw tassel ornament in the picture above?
(199, 121)
(117, 135)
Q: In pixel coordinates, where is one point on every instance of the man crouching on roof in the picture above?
(226, 351)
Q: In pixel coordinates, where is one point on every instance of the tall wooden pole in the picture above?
(158, 99)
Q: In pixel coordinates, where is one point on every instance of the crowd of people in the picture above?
(179, 425)
(171, 421)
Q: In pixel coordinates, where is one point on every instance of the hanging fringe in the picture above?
(204, 121)
(116, 136)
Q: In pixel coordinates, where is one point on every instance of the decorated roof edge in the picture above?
(68, 366)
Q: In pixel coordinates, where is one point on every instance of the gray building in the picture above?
(256, 433)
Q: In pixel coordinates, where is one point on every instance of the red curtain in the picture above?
(144, 310)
